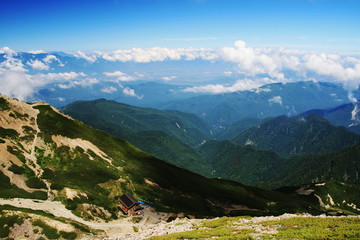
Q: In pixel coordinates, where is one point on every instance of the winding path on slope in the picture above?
(119, 227)
(58, 209)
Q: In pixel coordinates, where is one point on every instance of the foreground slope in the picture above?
(51, 156)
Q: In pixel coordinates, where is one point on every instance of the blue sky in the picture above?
(68, 25)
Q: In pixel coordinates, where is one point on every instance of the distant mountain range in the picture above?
(346, 115)
(267, 101)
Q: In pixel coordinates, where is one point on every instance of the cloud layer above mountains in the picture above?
(251, 68)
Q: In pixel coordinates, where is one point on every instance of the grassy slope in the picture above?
(288, 228)
(10, 215)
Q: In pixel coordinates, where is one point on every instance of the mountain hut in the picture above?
(129, 205)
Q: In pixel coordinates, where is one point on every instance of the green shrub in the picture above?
(68, 235)
(9, 190)
(34, 182)
(4, 105)
(6, 222)
(49, 232)
(16, 169)
(8, 132)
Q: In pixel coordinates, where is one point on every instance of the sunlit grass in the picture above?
(316, 228)
(299, 228)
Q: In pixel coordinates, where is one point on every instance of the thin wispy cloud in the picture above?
(190, 39)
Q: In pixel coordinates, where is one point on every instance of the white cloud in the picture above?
(86, 82)
(110, 89)
(228, 73)
(8, 51)
(55, 77)
(38, 65)
(343, 70)
(276, 99)
(190, 39)
(131, 92)
(16, 84)
(114, 74)
(251, 61)
(260, 89)
(52, 58)
(240, 85)
(22, 86)
(36, 51)
(157, 54)
(120, 76)
(169, 78)
(11, 63)
(80, 54)
(277, 63)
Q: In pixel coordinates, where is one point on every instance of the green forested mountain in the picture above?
(341, 166)
(121, 119)
(240, 163)
(268, 170)
(168, 135)
(238, 127)
(290, 136)
(171, 150)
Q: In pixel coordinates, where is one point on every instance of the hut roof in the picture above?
(127, 200)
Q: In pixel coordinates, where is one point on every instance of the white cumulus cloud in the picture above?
(52, 58)
(251, 61)
(169, 78)
(10, 62)
(16, 84)
(157, 54)
(131, 92)
(86, 82)
(240, 85)
(38, 65)
(36, 51)
(118, 76)
(276, 99)
(109, 89)
(80, 54)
